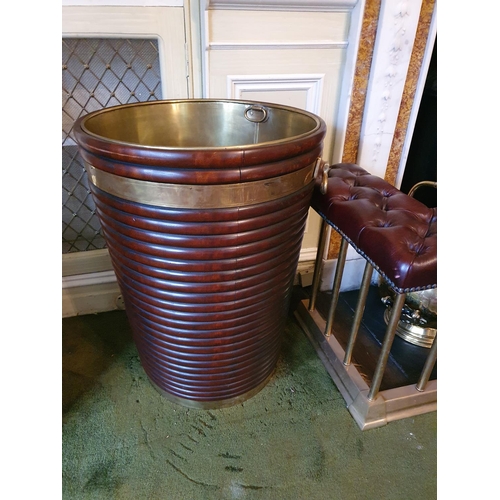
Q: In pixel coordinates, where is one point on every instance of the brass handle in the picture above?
(322, 168)
(324, 178)
(256, 114)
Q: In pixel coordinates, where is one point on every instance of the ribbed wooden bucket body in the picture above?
(204, 233)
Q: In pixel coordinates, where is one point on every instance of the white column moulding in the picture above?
(431, 39)
(396, 31)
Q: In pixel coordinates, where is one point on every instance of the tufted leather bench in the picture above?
(395, 233)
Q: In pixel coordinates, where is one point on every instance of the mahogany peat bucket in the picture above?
(203, 205)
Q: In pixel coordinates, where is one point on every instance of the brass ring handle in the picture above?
(324, 178)
(256, 114)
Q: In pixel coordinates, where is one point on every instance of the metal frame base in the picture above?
(389, 405)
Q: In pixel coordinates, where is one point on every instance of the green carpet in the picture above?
(294, 440)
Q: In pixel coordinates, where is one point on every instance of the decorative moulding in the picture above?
(277, 46)
(124, 3)
(91, 261)
(312, 85)
(301, 5)
(308, 255)
(91, 299)
(88, 279)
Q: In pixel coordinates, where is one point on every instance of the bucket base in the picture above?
(212, 405)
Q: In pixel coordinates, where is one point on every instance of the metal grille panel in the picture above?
(97, 73)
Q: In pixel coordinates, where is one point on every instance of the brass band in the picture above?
(200, 196)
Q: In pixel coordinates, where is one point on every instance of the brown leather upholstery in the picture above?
(397, 234)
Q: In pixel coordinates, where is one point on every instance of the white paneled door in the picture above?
(286, 57)
(291, 53)
(113, 53)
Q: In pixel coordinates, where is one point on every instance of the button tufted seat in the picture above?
(397, 234)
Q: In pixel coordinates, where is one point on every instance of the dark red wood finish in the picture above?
(206, 291)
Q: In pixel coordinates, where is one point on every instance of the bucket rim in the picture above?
(320, 126)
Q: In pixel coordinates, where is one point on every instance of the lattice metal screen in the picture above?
(97, 73)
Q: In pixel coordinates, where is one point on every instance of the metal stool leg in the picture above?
(318, 264)
(428, 366)
(360, 309)
(339, 271)
(397, 307)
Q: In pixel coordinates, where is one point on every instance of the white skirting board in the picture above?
(91, 299)
(351, 278)
(96, 292)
